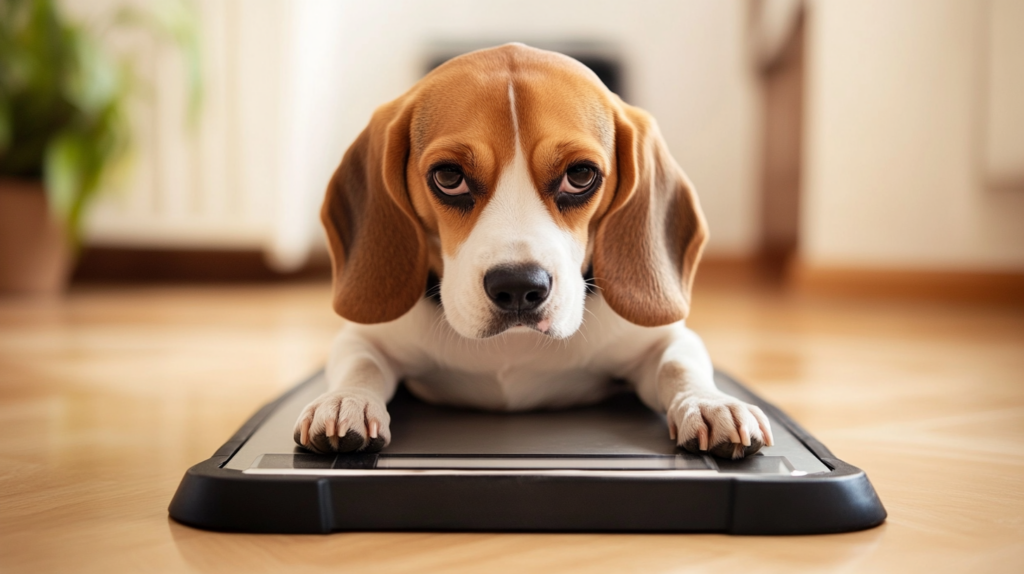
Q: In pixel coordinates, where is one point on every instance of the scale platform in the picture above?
(604, 468)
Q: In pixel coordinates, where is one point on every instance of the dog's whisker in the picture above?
(600, 325)
(581, 332)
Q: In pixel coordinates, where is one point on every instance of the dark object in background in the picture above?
(187, 266)
(605, 468)
(600, 58)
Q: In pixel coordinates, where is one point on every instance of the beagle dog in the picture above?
(510, 235)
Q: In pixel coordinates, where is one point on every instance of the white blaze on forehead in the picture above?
(515, 116)
(515, 227)
(517, 224)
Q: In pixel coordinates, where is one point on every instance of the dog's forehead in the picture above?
(469, 100)
(563, 103)
(458, 106)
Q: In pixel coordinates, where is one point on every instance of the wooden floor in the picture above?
(108, 396)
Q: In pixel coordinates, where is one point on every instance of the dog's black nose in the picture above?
(518, 288)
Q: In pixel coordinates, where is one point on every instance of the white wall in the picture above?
(215, 184)
(292, 83)
(898, 138)
(893, 174)
(1004, 95)
(685, 62)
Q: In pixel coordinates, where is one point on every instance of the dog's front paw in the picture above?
(715, 422)
(344, 422)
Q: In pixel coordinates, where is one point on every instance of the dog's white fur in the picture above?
(571, 357)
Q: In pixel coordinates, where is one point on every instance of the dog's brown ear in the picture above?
(378, 250)
(649, 242)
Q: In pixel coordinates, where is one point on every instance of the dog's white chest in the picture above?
(517, 370)
(518, 373)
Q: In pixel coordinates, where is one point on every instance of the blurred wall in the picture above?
(291, 84)
(684, 61)
(218, 183)
(909, 106)
(894, 171)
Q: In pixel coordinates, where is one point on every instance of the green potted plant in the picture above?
(64, 126)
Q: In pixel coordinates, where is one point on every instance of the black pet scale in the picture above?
(605, 468)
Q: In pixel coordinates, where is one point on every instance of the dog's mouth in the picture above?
(505, 321)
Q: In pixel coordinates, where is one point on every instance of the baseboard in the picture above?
(718, 271)
(120, 265)
(961, 286)
(128, 265)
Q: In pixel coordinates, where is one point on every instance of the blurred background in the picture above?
(836, 144)
(162, 162)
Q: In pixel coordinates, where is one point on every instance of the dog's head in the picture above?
(509, 173)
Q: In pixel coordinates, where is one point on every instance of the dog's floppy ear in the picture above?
(649, 242)
(378, 250)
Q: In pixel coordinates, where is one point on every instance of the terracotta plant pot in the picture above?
(34, 255)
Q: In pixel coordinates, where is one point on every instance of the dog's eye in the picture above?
(578, 179)
(450, 180)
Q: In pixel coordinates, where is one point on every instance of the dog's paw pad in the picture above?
(352, 441)
(734, 451)
(374, 445)
(692, 446)
(343, 422)
(717, 424)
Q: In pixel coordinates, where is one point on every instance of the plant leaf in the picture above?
(64, 172)
(178, 22)
(5, 124)
(95, 80)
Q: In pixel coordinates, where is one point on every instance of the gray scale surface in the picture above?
(618, 436)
